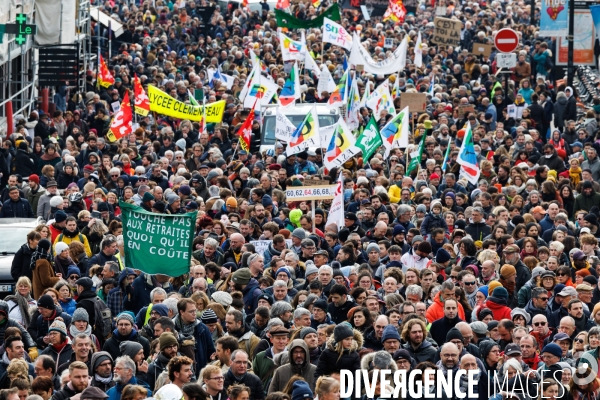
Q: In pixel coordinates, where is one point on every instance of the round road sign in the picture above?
(506, 40)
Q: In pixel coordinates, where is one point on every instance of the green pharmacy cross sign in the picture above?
(21, 29)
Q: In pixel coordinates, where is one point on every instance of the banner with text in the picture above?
(164, 104)
(447, 31)
(157, 243)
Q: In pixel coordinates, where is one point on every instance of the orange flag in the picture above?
(142, 104)
(121, 124)
(105, 78)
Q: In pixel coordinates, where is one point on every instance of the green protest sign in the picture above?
(157, 243)
(369, 140)
(291, 22)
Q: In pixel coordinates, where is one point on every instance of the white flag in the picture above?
(309, 63)
(291, 49)
(336, 210)
(335, 34)
(366, 94)
(260, 88)
(326, 82)
(419, 52)
(401, 50)
(283, 126)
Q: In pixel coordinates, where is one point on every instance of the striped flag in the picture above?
(468, 159)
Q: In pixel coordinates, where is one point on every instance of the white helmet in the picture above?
(169, 392)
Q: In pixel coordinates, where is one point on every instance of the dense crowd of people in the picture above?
(428, 272)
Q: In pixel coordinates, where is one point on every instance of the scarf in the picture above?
(73, 331)
(60, 346)
(62, 265)
(105, 381)
(23, 303)
(533, 362)
(183, 328)
(575, 175)
(70, 234)
(580, 323)
(39, 255)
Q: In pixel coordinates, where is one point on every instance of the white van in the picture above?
(296, 115)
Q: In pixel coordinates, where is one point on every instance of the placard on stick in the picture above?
(416, 102)
(447, 31)
(482, 49)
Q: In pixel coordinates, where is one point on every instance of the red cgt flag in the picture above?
(105, 78)
(246, 130)
(142, 103)
(121, 124)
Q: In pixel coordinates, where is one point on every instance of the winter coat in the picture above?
(425, 352)
(43, 325)
(112, 344)
(436, 310)
(16, 209)
(583, 202)
(141, 292)
(340, 314)
(554, 162)
(257, 391)
(60, 356)
(559, 112)
(114, 393)
(432, 221)
(43, 207)
(332, 361)
(20, 263)
(44, 277)
(286, 370)
(498, 307)
(478, 231)
(24, 163)
(156, 368)
(594, 166)
(34, 198)
(251, 293)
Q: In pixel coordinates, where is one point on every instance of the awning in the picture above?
(104, 19)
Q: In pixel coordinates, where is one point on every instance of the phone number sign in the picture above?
(310, 193)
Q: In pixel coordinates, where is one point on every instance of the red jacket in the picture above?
(500, 311)
(436, 310)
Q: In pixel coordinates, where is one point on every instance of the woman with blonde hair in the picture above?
(43, 230)
(134, 392)
(20, 303)
(327, 388)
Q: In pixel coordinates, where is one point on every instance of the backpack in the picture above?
(103, 326)
(548, 64)
(61, 236)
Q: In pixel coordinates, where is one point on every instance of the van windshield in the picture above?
(269, 124)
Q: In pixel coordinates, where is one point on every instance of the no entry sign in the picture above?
(506, 40)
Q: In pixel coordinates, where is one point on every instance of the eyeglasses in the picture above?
(217, 378)
(543, 298)
(73, 277)
(453, 277)
(115, 176)
(539, 324)
(470, 283)
(578, 340)
(560, 274)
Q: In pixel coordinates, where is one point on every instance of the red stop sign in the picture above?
(506, 40)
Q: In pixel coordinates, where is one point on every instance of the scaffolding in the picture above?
(19, 71)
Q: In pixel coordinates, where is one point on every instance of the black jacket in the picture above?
(64, 394)
(155, 369)
(439, 328)
(16, 209)
(112, 344)
(24, 163)
(340, 314)
(86, 300)
(478, 231)
(42, 325)
(331, 361)
(20, 263)
(257, 391)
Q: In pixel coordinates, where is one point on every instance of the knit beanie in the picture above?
(301, 391)
(390, 332)
(321, 304)
(341, 332)
(60, 247)
(372, 247)
(209, 317)
(493, 285)
(80, 314)
(507, 271)
(454, 333)
(307, 331)
(484, 313)
(500, 293)
(129, 348)
(553, 349)
(58, 326)
(126, 316)
(161, 309)
(484, 290)
(167, 339)
(520, 311)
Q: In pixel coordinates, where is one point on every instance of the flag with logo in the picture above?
(340, 94)
(218, 75)
(416, 157)
(353, 107)
(396, 132)
(246, 130)
(305, 135)
(366, 94)
(122, 121)
(335, 33)
(257, 61)
(291, 89)
(105, 78)
(468, 159)
(369, 140)
(141, 102)
(380, 100)
(259, 88)
(291, 50)
(395, 11)
(336, 210)
(341, 146)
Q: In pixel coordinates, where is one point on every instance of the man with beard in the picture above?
(180, 370)
(488, 272)
(299, 364)
(158, 310)
(234, 253)
(124, 375)
(79, 380)
(565, 295)
(414, 333)
(588, 197)
(539, 299)
(374, 334)
(440, 327)
(398, 238)
(468, 363)
(125, 331)
(449, 358)
(168, 345)
(102, 364)
(340, 305)
(237, 328)
(583, 323)
(311, 338)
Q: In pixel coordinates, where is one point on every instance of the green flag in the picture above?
(289, 21)
(369, 140)
(157, 243)
(414, 163)
(2, 31)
